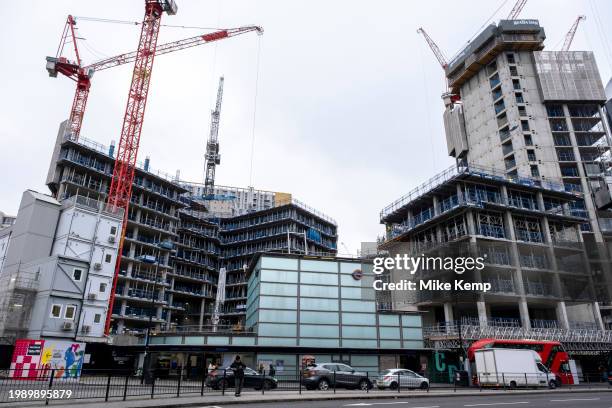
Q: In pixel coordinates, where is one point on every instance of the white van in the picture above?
(512, 368)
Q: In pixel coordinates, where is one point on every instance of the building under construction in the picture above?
(214, 238)
(529, 133)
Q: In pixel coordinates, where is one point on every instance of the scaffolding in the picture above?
(17, 294)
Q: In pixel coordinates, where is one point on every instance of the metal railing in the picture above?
(455, 171)
(512, 330)
(111, 385)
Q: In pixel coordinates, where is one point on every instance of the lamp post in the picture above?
(150, 259)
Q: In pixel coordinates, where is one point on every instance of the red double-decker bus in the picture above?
(552, 353)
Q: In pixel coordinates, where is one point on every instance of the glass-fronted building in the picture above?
(324, 307)
(328, 306)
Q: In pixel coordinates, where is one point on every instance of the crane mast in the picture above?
(516, 10)
(213, 157)
(127, 150)
(569, 37)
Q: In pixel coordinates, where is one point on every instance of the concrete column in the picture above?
(460, 194)
(524, 311)
(471, 226)
(202, 310)
(448, 312)
(540, 200)
(482, 313)
(597, 315)
(562, 315)
(504, 194)
(435, 205)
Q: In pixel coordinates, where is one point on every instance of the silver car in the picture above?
(400, 376)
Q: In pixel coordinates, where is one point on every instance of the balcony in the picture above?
(502, 285)
(493, 231)
(529, 236)
(538, 289)
(565, 155)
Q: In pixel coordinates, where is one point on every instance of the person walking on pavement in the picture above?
(238, 367)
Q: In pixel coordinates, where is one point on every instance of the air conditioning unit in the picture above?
(67, 326)
(111, 239)
(85, 329)
(97, 266)
(92, 296)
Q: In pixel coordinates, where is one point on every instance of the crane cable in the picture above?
(607, 51)
(428, 108)
(254, 111)
(480, 28)
(136, 23)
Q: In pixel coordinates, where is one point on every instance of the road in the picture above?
(556, 400)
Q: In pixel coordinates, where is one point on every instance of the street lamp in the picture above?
(150, 259)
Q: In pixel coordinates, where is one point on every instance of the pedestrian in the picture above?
(238, 367)
(261, 368)
(272, 370)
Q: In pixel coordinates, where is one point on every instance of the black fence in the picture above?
(116, 385)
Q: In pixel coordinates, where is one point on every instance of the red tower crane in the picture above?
(569, 37)
(82, 74)
(127, 151)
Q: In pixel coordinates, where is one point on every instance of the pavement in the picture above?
(447, 398)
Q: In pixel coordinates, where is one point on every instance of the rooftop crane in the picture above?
(569, 37)
(82, 74)
(434, 47)
(448, 97)
(516, 10)
(213, 157)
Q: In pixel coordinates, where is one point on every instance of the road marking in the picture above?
(576, 399)
(365, 404)
(497, 403)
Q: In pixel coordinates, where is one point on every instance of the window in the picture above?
(113, 230)
(525, 125)
(522, 111)
(513, 71)
(108, 258)
(97, 318)
(528, 141)
(516, 84)
(77, 274)
(70, 312)
(56, 311)
(102, 287)
(510, 58)
(531, 155)
(519, 97)
(534, 171)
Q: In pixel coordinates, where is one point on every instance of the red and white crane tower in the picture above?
(143, 57)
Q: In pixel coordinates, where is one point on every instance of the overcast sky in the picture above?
(348, 115)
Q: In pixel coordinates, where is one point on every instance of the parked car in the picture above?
(400, 376)
(322, 376)
(252, 379)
